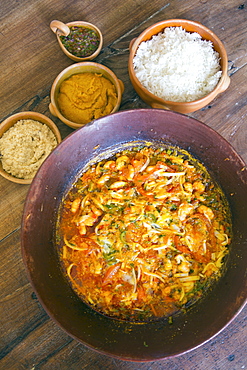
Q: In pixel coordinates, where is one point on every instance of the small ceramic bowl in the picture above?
(10, 121)
(76, 69)
(181, 107)
(62, 29)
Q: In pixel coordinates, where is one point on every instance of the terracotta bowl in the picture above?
(189, 26)
(81, 68)
(122, 339)
(62, 29)
(10, 121)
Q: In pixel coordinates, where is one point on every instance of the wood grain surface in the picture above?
(30, 59)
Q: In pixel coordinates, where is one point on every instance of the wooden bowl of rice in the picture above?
(26, 140)
(178, 65)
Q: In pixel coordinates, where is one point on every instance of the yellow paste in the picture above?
(86, 96)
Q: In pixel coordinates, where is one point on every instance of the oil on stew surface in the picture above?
(143, 234)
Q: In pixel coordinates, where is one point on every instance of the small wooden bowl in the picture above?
(10, 121)
(62, 29)
(76, 69)
(181, 107)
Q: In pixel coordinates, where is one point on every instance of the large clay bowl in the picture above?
(126, 340)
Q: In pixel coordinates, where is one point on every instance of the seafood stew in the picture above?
(143, 234)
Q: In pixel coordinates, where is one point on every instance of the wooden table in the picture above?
(30, 59)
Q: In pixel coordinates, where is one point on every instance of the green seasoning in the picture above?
(81, 41)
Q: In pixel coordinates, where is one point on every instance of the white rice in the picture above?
(178, 66)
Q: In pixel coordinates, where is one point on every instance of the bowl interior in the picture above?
(126, 340)
(82, 68)
(10, 121)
